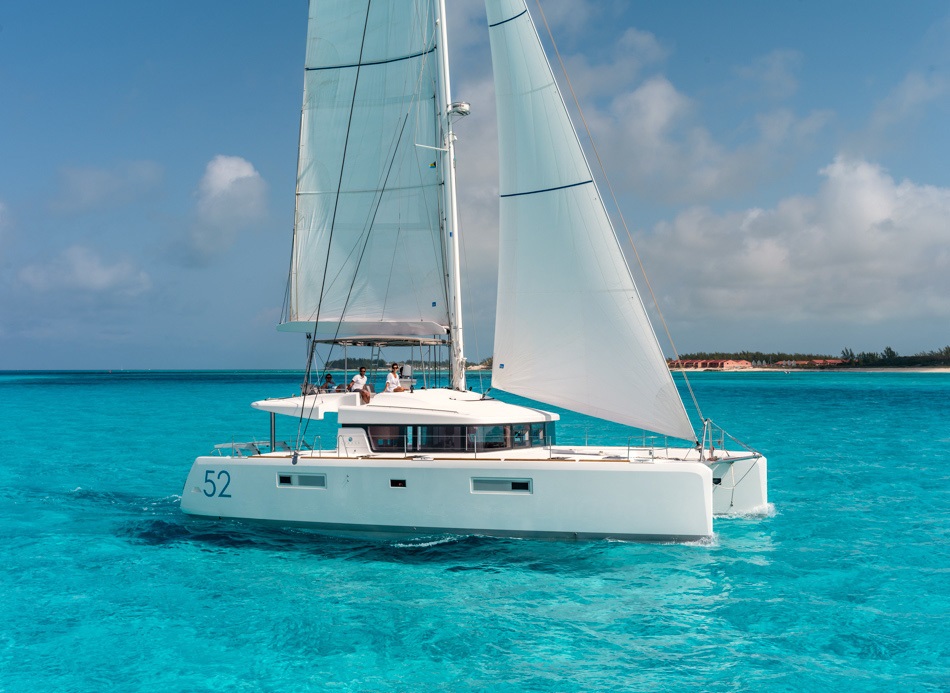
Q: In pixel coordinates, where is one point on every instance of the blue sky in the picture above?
(782, 167)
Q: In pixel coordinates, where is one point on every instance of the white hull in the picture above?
(551, 498)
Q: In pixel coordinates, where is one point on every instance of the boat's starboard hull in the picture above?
(548, 498)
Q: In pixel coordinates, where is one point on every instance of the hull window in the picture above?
(502, 486)
(304, 480)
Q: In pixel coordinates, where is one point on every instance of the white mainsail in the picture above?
(369, 252)
(570, 327)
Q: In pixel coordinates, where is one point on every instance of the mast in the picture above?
(456, 357)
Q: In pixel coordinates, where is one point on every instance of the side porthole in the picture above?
(302, 480)
(502, 486)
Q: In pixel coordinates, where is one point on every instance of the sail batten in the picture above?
(370, 62)
(570, 329)
(491, 26)
(535, 192)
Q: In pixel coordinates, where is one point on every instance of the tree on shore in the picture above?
(888, 358)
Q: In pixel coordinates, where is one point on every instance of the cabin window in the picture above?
(502, 485)
(388, 438)
(492, 437)
(460, 438)
(542, 434)
(442, 439)
(519, 436)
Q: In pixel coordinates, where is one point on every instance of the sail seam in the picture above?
(373, 62)
(504, 21)
(535, 192)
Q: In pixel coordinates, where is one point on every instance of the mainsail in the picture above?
(570, 327)
(369, 254)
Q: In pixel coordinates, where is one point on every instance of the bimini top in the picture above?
(440, 407)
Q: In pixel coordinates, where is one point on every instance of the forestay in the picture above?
(571, 329)
(368, 253)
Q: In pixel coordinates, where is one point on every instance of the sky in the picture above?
(782, 169)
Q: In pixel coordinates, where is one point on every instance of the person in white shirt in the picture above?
(392, 380)
(358, 384)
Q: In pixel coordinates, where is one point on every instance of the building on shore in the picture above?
(740, 364)
(710, 364)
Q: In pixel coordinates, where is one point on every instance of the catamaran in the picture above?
(376, 262)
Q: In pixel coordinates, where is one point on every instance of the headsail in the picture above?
(368, 254)
(570, 327)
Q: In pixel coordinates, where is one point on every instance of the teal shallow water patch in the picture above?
(109, 587)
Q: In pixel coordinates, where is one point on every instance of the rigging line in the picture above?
(623, 221)
(441, 239)
(381, 187)
(420, 94)
(392, 268)
(366, 237)
(372, 220)
(336, 205)
(414, 107)
(285, 306)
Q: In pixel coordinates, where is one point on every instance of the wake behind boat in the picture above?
(376, 263)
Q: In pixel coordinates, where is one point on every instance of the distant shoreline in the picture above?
(295, 371)
(793, 369)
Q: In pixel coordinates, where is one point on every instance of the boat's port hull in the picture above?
(668, 501)
(740, 487)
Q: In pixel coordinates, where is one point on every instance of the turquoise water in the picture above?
(106, 586)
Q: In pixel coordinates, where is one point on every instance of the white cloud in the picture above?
(564, 16)
(774, 73)
(5, 219)
(634, 51)
(80, 269)
(649, 133)
(659, 149)
(231, 192)
(864, 249)
(88, 188)
(232, 196)
(905, 103)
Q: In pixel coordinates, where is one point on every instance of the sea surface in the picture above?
(106, 586)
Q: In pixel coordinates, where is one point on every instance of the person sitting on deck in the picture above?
(392, 380)
(358, 384)
(328, 384)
